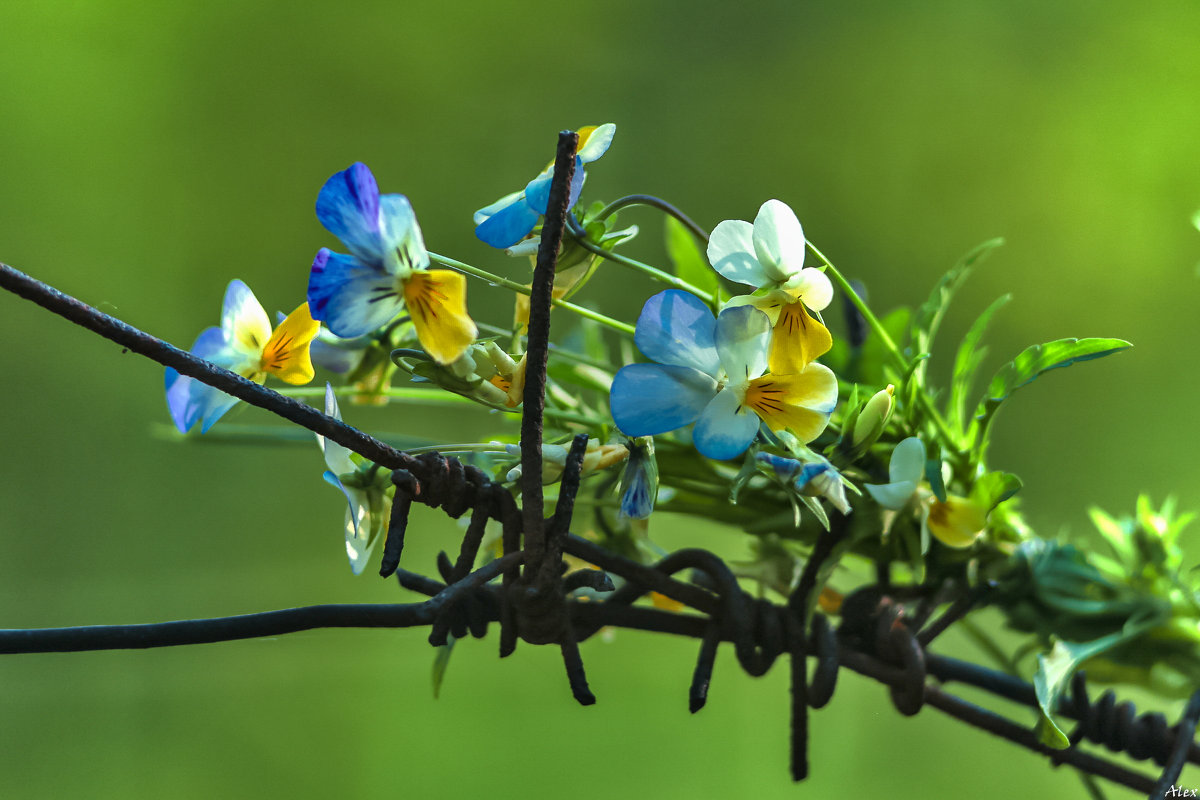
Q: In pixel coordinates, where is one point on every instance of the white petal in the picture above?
(891, 495)
(743, 334)
(246, 325)
(778, 240)
(725, 428)
(908, 461)
(731, 253)
(337, 457)
(597, 143)
(812, 287)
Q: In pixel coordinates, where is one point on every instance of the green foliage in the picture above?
(1031, 363)
(440, 662)
(994, 488)
(1131, 614)
(967, 361)
(928, 317)
(688, 259)
(1054, 673)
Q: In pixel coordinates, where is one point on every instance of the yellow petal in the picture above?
(286, 354)
(957, 522)
(521, 313)
(796, 340)
(801, 403)
(437, 302)
(516, 385)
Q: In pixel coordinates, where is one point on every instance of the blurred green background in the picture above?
(151, 152)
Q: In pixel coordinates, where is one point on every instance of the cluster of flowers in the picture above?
(730, 416)
(745, 377)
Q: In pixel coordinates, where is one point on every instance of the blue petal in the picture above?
(348, 207)
(638, 500)
(181, 401)
(725, 428)
(678, 328)
(191, 401)
(351, 298)
(537, 193)
(508, 225)
(333, 358)
(785, 468)
(648, 399)
(811, 471)
(479, 216)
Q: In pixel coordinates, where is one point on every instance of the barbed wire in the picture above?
(878, 636)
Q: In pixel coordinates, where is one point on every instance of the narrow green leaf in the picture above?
(688, 259)
(928, 318)
(966, 364)
(1031, 363)
(440, 662)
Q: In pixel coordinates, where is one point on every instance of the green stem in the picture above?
(505, 283)
(646, 269)
(437, 397)
(840, 281)
(889, 345)
(654, 202)
(470, 447)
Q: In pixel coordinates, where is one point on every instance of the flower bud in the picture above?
(639, 482)
(872, 419)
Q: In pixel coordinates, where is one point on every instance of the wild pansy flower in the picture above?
(387, 270)
(365, 517)
(245, 344)
(955, 521)
(769, 255)
(513, 217)
(816, 478)
(710, 371)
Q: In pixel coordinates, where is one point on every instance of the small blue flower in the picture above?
(245, 344)
(816, 478)
(710, 371)
(511, 218)
(387, 270)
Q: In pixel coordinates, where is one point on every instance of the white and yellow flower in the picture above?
(769, 255)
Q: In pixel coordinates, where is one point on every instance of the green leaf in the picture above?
(994, 488)
(440, 662)
(966, 364)
(928, 318)
(1055, 670)
(687, 257)
(1031, 363)
(868, 366)
(1115, 533)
